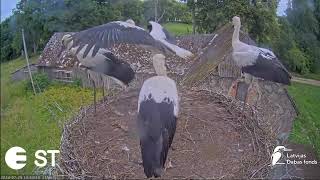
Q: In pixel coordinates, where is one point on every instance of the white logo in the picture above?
(14, 160)
(277, 153)
(18, 161)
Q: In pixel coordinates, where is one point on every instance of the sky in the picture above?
(6, 8)
(282, 7)
(8, 5)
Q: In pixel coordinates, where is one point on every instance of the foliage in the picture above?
(303, 20)
(306, 126)
(299, 61)
(39, 118)
(77, 82)
(297, 44)
(41, 82)
(7, 51)
(168, 10)
(259, 18)
(298, 33)
(10, 91)
(41, 18)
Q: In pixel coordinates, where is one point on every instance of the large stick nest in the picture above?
(216, 137)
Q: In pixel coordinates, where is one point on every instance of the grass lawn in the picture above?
(178, 29)
(35, 122)
(306, 127)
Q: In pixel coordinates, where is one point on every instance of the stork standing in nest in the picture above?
(256, 61)
(157, 118)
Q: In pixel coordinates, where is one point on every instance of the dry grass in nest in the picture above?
(216, 137)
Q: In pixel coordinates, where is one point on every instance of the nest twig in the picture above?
(242, 118)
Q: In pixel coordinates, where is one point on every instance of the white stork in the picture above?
(161, 34)
(157, 118)
(256, 61)
(92, 46)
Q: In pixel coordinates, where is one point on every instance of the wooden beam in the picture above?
(27, 59)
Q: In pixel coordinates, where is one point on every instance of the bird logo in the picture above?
(277, 153)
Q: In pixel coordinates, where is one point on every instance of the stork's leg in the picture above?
(247, 78)
(254, 90)
(244, 103)
(94, 97)
(168, 165)
(102, 88)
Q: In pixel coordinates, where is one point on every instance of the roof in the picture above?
(23, 68)
(54, 54)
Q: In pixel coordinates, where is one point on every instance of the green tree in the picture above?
(28, 14)
(6, 38)
(167, 10)
(258, 18)
(300, 62)
(303, 20)
(133, 9)
(285, 41)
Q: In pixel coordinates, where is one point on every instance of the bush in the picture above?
(41, 82)
(298, 61)
(77, 82)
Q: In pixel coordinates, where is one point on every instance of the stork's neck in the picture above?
(163, 73)
(160, 70)
(235, 36)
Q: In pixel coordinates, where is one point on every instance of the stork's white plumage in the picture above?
(162, 35)
(256, 61)
(157, 117)
(92, 46)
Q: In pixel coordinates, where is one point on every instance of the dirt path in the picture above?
(306, 81)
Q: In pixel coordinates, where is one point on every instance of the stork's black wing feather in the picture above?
(269, 55)
(157, 126)
(106, 35)
(269, 69)
(277, 62)
(168, 129)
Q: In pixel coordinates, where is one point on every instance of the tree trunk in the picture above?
(156, 10)
(194, 19)
(27, 59)
(34, 47)
(164, 11)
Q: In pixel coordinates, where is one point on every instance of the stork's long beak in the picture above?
(286, 149)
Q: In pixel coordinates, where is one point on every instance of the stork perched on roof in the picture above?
(157, 118)
(256, 61)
